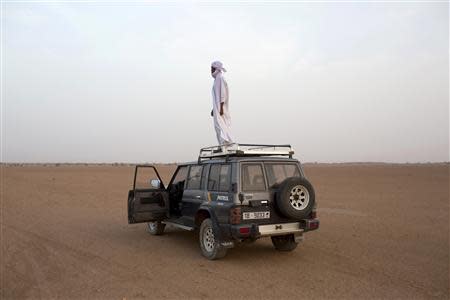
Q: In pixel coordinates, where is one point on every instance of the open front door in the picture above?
(148, 200)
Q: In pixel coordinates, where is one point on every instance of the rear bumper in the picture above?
(255, 231)
(280, 229)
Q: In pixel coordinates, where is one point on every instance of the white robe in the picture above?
(222, 123)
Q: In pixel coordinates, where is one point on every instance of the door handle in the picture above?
(198, 197)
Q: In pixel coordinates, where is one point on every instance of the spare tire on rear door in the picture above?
(295, 198)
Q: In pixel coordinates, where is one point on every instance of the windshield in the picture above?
(277, 172)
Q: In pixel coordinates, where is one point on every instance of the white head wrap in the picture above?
(218, 65)
(219, 68)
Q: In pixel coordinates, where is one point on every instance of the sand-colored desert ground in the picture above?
(384, 234)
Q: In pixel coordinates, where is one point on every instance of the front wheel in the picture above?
(284, 242)
(209, 244)
(156, 228)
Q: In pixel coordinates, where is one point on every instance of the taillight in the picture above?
(313, 225)
(244, 230)
(313, 214)
(235, 215)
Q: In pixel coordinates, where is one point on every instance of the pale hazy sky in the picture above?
(343, 82)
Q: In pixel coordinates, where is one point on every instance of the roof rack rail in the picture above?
(235, 149)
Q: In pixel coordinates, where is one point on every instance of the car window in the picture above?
(144, 176)
(181, 175)
(224, 180)
(204, 175)
(252, 177)
(213, 180)
(195, 178)
(219, 178)
(278, 172)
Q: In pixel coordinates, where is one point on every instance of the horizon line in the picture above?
(176, 163)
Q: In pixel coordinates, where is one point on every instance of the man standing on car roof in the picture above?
(220, 112)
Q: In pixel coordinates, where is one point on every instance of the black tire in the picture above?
(284, 242)
(156, 228)
(295, 198)
(209, 244)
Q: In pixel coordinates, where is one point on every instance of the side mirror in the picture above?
(155, 183)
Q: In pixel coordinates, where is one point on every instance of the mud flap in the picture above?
(226, 243)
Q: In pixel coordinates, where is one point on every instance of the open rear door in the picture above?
(148, 200)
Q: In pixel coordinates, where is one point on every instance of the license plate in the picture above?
(256, 215)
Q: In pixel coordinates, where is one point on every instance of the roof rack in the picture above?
(233, 150)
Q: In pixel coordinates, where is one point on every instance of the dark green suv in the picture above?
(231, 194)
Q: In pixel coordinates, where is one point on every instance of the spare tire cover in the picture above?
(295, 198)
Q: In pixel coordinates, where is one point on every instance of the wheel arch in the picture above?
(201, 215)
(205, 212)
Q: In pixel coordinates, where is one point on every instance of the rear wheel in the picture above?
(209, 244)
(156, 228)
(284, 242)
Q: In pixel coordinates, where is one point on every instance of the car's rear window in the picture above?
(252, 178)
(277, 172)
